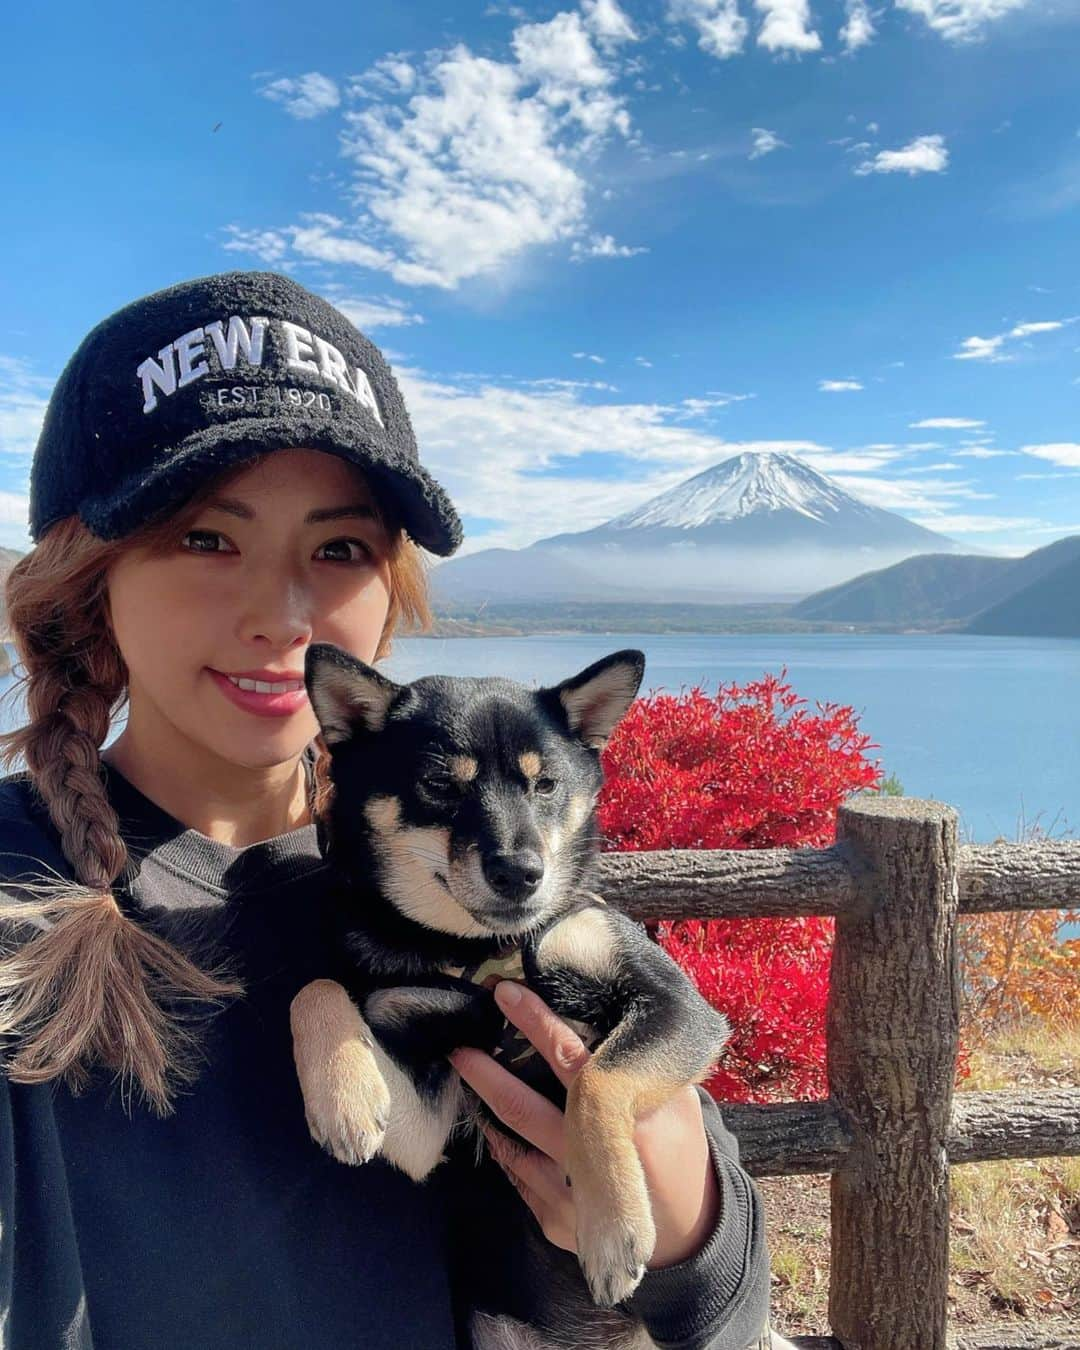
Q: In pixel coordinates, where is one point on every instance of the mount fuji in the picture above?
(759, 526)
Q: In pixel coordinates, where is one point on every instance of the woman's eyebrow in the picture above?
(238, 508)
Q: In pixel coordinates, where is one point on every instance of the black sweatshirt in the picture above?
(224, 1227)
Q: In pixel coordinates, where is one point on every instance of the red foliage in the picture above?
(747, 768)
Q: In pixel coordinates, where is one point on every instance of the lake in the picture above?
(989, 725)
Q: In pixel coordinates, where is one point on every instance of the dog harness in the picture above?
(507, 964)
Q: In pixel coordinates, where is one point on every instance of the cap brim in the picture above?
(425, 510)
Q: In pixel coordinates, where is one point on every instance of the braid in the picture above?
(89, 988)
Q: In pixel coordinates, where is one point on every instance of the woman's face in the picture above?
(254, 581)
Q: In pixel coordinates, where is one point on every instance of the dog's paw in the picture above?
(613, 1255)
(348, 1105)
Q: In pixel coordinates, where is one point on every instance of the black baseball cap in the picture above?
(194, 379)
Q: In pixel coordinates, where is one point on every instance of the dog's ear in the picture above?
(347, 695)
(596, 699)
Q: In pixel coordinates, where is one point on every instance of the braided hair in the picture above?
(82, 984)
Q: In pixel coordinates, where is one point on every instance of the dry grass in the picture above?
(1015, 1226)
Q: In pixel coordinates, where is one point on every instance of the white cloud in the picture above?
(925, 154)
(981, 349)
(607, 23)
(859, 28)
(642, 362)
(990, 349)
(1065, 453)
(269, 246)
(15, 521)
(910, 494)
(602, 246)
(765, 142)
(721, 29)
(1026, 329)
(588, 356)
(24, 397)
(464, 162)
(961, 524)
(307, 96)
(392, 74)
(981, 452)
(319, 238)
(701, 407)
(960, 20)
(548, 382)
(949, 423)
(784, 28)
(369, 312)
(839, 386)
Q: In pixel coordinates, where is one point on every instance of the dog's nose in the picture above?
(514, 875)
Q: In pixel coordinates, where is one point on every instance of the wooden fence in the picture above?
(891, 1128)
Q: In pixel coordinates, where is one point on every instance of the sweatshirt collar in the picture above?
(148, 829)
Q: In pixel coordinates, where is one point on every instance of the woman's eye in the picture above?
(202, 535)
(544, 787)
(365, 554)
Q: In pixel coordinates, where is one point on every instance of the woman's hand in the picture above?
(671, 1140)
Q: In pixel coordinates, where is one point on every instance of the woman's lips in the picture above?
(262, 705)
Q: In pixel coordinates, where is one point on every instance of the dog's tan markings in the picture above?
(529, 763)
(346, 1099)
(584, 941)
(575, 816)
(384, 813)
(578, 811)
(410, 857)
(463, 768)
(616, 1233)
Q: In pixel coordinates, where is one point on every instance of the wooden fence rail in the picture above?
(896, 880)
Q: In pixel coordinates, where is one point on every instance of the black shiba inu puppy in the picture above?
(462, 824)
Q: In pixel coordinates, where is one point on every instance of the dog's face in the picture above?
(472, 798)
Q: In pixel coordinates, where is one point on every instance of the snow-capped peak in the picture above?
(745, 485)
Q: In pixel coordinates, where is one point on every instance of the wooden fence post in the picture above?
(893, 1031)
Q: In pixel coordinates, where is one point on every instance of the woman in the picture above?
(227, 474)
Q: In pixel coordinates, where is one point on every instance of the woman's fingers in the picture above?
(560, 1045)
(540, 1183)
(526, 1112)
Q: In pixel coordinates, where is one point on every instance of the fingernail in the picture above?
(508, 994)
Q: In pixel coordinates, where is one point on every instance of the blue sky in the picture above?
(605, 245)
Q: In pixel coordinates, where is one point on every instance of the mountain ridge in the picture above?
(1036, 593)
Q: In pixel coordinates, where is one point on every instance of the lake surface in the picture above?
(989, 725)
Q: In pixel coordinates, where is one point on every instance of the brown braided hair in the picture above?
(91, 987)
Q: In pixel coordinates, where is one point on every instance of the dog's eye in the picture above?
(440, 786)
(544, 787)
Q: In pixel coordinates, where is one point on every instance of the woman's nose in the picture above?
(277, 609)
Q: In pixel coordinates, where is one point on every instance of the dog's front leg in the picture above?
(416, 1027)
(658, 1034)
(346, 1097)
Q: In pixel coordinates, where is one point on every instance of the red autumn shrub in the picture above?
(747, 768)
